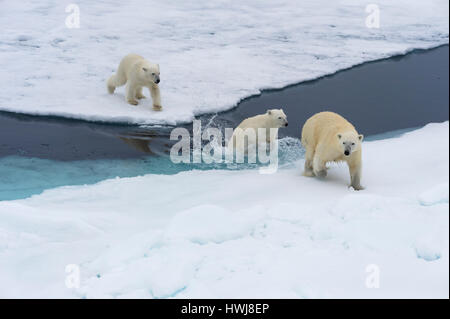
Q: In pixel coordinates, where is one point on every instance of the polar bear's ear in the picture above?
(145, 69)
(157, 66)
(339, 136)
(269, 112)
(361, 137)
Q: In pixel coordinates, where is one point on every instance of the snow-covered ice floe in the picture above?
(234, 234)
(212, 53)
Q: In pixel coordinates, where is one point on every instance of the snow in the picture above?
(212, 54)
(237, 234)
(209, 223)
(436, 195)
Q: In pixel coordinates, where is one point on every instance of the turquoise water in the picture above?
(22, 177)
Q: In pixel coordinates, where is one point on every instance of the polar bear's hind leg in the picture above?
(131, 94)
(319, 167)
(139, 94)
(309, 156)
(115, 81)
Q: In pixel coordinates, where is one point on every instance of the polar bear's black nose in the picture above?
(157, 81)
(347, 153)
(286, 124)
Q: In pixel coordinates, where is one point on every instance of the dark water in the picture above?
(396, 93)
(71, 140)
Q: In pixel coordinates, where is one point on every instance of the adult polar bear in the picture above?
(328, 137)
(137, 73)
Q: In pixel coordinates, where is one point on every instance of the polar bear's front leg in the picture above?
(355, 168)
(355, 175)
(131, 93)
(271, 134)
(156, 97)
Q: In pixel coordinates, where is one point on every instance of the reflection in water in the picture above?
(73, 140)
(139, 144)
(153, 142)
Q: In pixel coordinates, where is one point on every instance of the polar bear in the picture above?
(137, 73)
(328, 137)
(272, 119)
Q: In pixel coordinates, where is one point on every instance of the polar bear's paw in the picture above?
(321, 173)
(157, 107)
(111, 89)
(357, 187)
(133, 102)
(140, 96)
(309, 173)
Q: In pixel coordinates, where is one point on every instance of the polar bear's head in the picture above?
(150, 73)
(349, 142)
(277, 118)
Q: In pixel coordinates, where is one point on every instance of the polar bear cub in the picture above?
(137, 73)
(248, 128)
(328, 137)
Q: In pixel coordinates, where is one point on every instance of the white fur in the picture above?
(272, 119)
(137, 73)
(328, 137)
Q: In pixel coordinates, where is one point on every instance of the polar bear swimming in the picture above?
(271, 120)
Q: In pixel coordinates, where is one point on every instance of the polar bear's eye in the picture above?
(153, 73)
(279, 118)
(353, 143)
